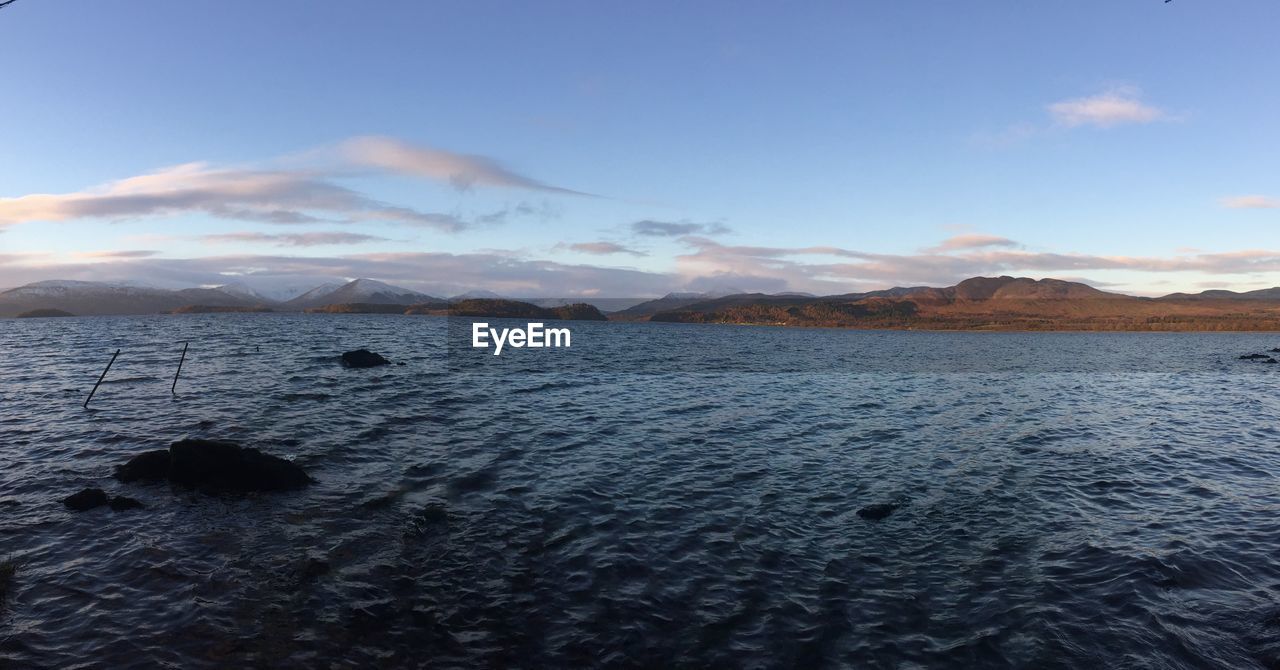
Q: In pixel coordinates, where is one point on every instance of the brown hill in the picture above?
(989, 303)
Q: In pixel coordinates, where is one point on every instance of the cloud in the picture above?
(600, 248)
(675, 229)
(971, 241)
(432, 273)
(463, 171)
(298, 195)
(1251, 202)
(801, 269)
(110, 255)
(706, 264)
(1105, 110)
(278, 197)
(293, 239)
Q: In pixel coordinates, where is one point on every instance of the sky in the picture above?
(630, 149)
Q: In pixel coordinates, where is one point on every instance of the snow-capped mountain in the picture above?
(366, 291)
(243, 290)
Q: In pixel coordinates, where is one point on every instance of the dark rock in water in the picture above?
(1269, 360)
(86, 499)
(400, 363)
(214, 465)
(363, 358)
(311, 569)
(147, 466)
(1253, 357)
(122, 503)
(1275, 350)
(877, 512)
(225, 465)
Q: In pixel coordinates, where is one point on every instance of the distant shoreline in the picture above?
(854, 327)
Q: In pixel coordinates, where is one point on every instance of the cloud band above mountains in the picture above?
(707, 264)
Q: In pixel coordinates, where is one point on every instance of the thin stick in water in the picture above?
(174, 389)
(102, 377)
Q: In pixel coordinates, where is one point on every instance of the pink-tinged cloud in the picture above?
(463, 171)
(280, 197)
(797, 268)
(1105, 110)
(707, 265)
(600, 248)
(292, 239)
(1251, 202)
(971, 241)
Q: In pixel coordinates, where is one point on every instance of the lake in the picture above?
(654, 495)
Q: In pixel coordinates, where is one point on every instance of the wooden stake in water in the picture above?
(174, 389)
(104, 376)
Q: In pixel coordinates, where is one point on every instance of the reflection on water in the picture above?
(658, 494)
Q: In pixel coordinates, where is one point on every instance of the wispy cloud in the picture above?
(1105, 110)
(1251, 202)
(309, 194)
(652, 228)
(600, 248)
(800, 267)
(293, 239)
(278, 197)
(463, 171)
(971, 241)
(706, 264)
(117, 255)
(433, 273)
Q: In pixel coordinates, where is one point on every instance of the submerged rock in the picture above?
(1253, 357)
(86, 500)
(363, 358)
(877, 512)
(312, 569)
(122, 503)
(216, 465)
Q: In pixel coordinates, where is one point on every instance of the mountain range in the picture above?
(980, 303)
(986, 303)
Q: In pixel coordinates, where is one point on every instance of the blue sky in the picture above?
(600, 148)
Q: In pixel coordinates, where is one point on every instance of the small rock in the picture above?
(86, 500)
(363, 358)
(1275, 350)
(1253, 357)
(877, 512)
(122, 503)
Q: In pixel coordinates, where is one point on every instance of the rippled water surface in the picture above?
(658, 495)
